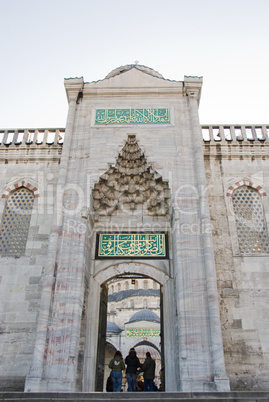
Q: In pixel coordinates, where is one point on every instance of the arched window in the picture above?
(145, 284)
(132, 303)
(119, 287)
(16, 222)
(126, 285)
(145, 303)
(250, 222)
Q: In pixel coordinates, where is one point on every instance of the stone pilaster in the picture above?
(169, 342)
(35, 380)
(216, 345)
(92, 336)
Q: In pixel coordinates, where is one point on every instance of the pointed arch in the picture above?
(16, 221)
(250, 220)
(245, 182)
(21, 183)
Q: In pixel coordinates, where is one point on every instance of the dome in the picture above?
(112, 327)
(144, 315)
(145, 69)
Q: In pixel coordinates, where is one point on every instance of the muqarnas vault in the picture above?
(134, 192)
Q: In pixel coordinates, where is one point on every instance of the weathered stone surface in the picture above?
(22, 277)
(244, 303)
(144, 177)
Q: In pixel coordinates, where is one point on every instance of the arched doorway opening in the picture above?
(133, 320)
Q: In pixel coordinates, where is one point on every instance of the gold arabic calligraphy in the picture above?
(132, 245)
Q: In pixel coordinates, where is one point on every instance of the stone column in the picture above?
(34, 379)
(170, 355)
(217, 356)
(89, 371)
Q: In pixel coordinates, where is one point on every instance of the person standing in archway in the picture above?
(133, 364)
(117, 366)
(148, 368)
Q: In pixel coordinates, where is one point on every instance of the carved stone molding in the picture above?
(131, 184)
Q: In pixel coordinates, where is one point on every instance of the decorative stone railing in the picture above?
(52, 136)
(235, 133)
(211, 134)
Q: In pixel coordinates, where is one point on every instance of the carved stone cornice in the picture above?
(73, 87)
(193, 87)
(31, 153)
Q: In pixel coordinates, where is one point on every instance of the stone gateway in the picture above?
(134, 188)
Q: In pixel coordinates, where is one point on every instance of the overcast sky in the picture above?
(44, 41)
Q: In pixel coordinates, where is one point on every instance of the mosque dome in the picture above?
(145, 69)
(112, 327)
(144, 315)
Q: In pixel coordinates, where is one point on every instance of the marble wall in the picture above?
(242, 278)
(215, 300)
(21, 276)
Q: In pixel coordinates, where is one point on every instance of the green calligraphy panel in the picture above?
(132, 116)
(131, 245)
(142, 332)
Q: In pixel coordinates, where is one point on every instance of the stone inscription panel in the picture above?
(132, 245)
(132, 116)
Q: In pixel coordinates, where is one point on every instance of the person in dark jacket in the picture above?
(117, 366)
(133, 364)
(148, 368)
(109, 384)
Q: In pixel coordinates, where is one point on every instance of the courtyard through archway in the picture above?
(134, 317)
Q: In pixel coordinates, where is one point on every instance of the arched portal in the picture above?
(156, 189)
(130, 325)
(105, 272)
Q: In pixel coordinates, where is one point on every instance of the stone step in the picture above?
(135, 396)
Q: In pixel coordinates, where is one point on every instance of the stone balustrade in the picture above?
(210, 133)
(235, 133)
(16, 137)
